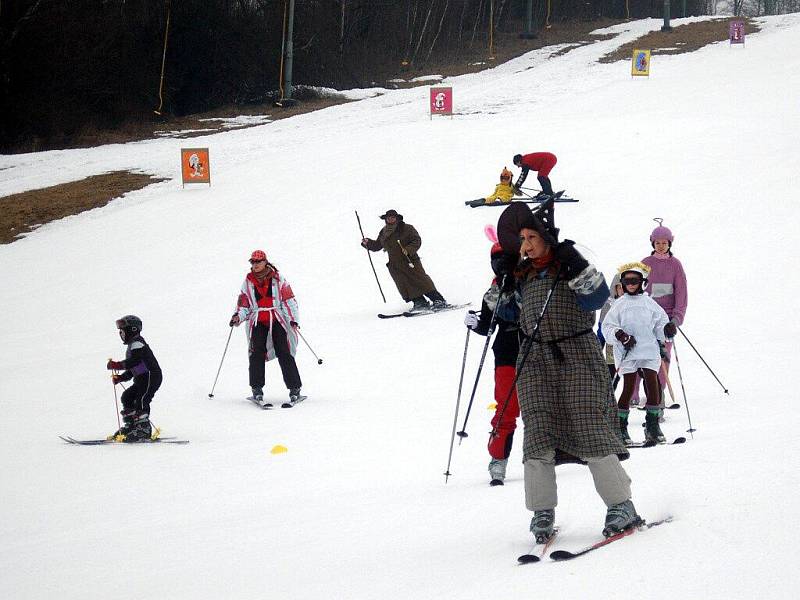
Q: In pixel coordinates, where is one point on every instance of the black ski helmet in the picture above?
(129, 327)
(517, 159)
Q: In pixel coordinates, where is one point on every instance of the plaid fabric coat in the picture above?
(564, 389)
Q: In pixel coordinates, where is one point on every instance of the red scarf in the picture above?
(543, 261)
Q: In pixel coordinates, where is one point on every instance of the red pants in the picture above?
(500, 446)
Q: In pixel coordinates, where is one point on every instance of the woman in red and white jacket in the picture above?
(268, 307)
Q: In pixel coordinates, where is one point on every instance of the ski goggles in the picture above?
(631, 280)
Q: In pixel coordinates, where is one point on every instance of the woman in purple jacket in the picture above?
(667, 286)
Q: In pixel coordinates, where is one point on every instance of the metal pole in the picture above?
(691, 429)
(224, 352)
(458, 402)
(665, 26)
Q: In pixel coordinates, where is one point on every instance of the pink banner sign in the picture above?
(736, 32)
(441, 101)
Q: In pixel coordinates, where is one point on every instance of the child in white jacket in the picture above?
(635, 325)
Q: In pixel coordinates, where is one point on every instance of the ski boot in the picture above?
(497, 470)
(542, 524)
(438, 300)
(620, 517)
(295, 397)
(258, 396)
(623, 427)
(420, 304)
(141, 430)
(652, 430)
(127, 423)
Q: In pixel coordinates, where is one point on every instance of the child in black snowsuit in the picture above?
(140, 364)
(506, 349)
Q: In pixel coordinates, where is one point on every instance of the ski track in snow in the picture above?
(357, 507)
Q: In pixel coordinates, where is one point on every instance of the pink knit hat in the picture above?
(661, 233)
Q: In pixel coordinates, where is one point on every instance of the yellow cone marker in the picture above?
(278, 449)
(492, 406)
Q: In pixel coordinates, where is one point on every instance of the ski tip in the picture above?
(561, 555)
(680, 440)
(528, 558)
(496, 482)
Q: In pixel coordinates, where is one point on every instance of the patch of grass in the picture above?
(24, 212)
(682, 39)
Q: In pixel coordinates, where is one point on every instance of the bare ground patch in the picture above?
(24, 212)
(682, 39)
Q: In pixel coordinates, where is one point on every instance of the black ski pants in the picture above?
(137, 397)
(547, 187)
(258, 349)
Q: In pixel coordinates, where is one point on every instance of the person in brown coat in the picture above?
(402, 242)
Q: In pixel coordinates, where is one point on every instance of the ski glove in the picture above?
(471, 320)
(117, 379)
(662, 350)
(670, 329)
(628, 341)
(572, 262)
(113, 364)
(294, 324)
(234, 320)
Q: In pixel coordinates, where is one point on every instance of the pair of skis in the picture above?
(270, 406)
(653, 443)
(557, 197)
(424, 311)
(103, 442)
(538, 552)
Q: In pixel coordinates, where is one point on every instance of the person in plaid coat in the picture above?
(564, 390)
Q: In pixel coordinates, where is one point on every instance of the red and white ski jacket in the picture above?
(269, 302)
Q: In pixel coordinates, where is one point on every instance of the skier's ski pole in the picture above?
(691, 429)
(458, 402)
(116, 402)
(724, 389)
(529, 341)
(370, 258)
(463, 433)
(211, 395)
(405, 253)
(616, 373)
(319, 360)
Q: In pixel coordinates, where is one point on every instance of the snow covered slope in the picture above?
(357, 507)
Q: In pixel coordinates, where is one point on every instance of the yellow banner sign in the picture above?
(640, 63)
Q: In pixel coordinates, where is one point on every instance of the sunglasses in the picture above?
(253, 261)
(632, 281)
(505, 177)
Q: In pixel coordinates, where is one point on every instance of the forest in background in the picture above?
(68, 65)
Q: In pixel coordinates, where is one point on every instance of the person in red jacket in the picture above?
(542, 163)
(267, 305)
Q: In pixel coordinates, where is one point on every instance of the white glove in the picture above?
(471, 320)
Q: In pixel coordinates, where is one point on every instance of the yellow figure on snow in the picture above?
(503, 192)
